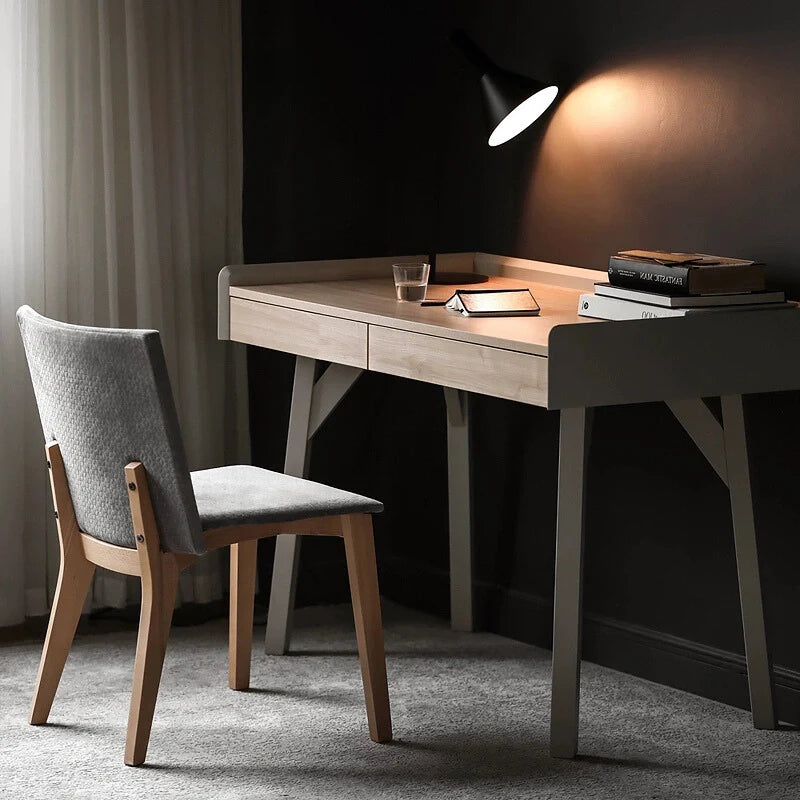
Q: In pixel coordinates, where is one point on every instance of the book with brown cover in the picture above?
(684, 273)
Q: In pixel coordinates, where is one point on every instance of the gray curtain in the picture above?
(120, 199)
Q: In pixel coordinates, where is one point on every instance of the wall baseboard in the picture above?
(660, 657)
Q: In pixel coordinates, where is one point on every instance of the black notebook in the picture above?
(493, 303)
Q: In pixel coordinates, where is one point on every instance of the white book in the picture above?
(600, 307)
(688, 301)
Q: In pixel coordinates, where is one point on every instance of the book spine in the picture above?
(648, 277)
(601, 307)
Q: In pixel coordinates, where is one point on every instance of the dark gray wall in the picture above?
(678, 129)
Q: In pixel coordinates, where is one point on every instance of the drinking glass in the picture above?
(411, 281)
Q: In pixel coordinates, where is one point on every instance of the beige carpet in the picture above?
(470, 713)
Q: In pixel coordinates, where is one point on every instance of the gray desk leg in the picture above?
(573, 449)
(461, 617)
(287, 547)
(759, 671)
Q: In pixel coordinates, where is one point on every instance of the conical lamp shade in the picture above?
(512, 102)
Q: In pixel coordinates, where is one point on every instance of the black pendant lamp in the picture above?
(511, 101)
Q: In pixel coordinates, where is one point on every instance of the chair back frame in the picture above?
(104, 395)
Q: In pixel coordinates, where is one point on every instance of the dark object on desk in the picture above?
(452, 278)
(458, 278)
(688, 301)
(684, 273)
(494, 303)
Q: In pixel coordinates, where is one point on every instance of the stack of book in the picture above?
(647, 284)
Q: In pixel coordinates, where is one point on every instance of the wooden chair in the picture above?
(104, 401)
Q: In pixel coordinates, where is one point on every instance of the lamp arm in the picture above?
(471, 51)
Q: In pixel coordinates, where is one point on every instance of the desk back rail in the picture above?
(537, 271)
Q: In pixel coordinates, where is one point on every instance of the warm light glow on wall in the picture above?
(638, 111)
(668, 137)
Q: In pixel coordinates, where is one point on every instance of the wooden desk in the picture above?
(344, 313)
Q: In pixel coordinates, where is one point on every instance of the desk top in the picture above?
(372, 300)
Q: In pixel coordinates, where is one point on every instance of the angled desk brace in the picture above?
(344, 313)
(312, 403)
(725, 448)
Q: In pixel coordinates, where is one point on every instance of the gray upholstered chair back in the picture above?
(104, 396)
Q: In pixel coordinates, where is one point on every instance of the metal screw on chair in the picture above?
(140, 538)
(56, 514)
(132, 487)
(48, 465)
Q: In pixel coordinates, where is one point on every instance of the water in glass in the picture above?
(410, 291)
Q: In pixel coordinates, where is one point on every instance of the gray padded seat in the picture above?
(243, 495)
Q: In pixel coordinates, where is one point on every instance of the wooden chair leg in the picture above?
(363, 574)
(240, 626)
(158, 595)
(159, 585)
(74, 578)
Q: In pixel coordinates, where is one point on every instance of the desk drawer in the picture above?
(300, 332)
(460, 365)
